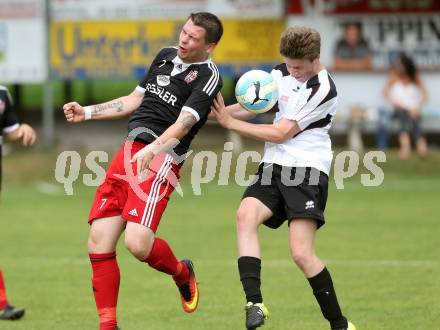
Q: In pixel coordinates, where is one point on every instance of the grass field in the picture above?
(380, 243)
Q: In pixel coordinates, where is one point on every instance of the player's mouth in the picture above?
(182, 50)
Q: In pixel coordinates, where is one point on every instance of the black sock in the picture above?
(325, 294)
(250, 269)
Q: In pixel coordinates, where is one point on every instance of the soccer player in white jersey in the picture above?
(291, 183)
(169, 105)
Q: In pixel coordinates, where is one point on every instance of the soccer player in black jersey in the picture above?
(13, 131)
(166, 111)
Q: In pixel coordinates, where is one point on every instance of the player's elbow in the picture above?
(280, 138)
(286, 132)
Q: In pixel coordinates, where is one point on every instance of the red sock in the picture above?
(3, 299)
(105, 283)
(162, 258)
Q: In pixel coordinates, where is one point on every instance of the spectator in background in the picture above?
(406, 93)
(352, 52)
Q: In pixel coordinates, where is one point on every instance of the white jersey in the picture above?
(312, 105)
(407, 96)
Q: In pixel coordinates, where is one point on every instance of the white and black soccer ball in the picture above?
(256, 91)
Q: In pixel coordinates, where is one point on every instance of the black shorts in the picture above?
(290, 193)
(407, 124)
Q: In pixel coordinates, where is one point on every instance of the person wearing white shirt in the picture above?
(407, 94)
(292, 179)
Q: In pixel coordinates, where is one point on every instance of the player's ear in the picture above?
(210, 47)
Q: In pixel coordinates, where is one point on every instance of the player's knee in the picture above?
(302, 257)
(139, 248)
(245, 218)
(95, 242)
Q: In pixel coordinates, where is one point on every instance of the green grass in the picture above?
(380, 243)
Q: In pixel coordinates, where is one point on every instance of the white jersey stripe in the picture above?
(210, 78)
(149, 218)
(213, 80)
(151, 196)
(216, 82)
(156, 194)
(148, 204)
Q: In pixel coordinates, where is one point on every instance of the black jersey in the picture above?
(171, 86)
(8, 119)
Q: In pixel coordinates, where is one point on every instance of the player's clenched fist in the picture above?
(74, 112)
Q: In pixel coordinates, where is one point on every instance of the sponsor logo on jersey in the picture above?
(163, 80)
(191, 76)
(168, 97)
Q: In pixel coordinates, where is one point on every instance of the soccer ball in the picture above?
(256, 91)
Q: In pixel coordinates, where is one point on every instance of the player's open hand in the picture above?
(143, 158)
(27, 134)
(220, 112)
(73, 112)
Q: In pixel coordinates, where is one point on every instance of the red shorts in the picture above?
(122, 194)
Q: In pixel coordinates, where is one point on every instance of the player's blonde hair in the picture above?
(300, 42)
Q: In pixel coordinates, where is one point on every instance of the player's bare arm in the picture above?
(276, 133)
(167, 141)
(114, 109)
(25, 133)
(236, 111)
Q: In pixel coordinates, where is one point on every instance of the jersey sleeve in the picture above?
(10, 121)
(277, 73)
(143, 83)
(204, 89)
(313, 103)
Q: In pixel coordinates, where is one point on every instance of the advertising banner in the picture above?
(125, 49)
(86, 10)
(22, 41)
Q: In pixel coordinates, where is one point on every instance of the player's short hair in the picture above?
(300, 42)
(211, 23)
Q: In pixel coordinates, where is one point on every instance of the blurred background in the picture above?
(55, 51)
(381, 242)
